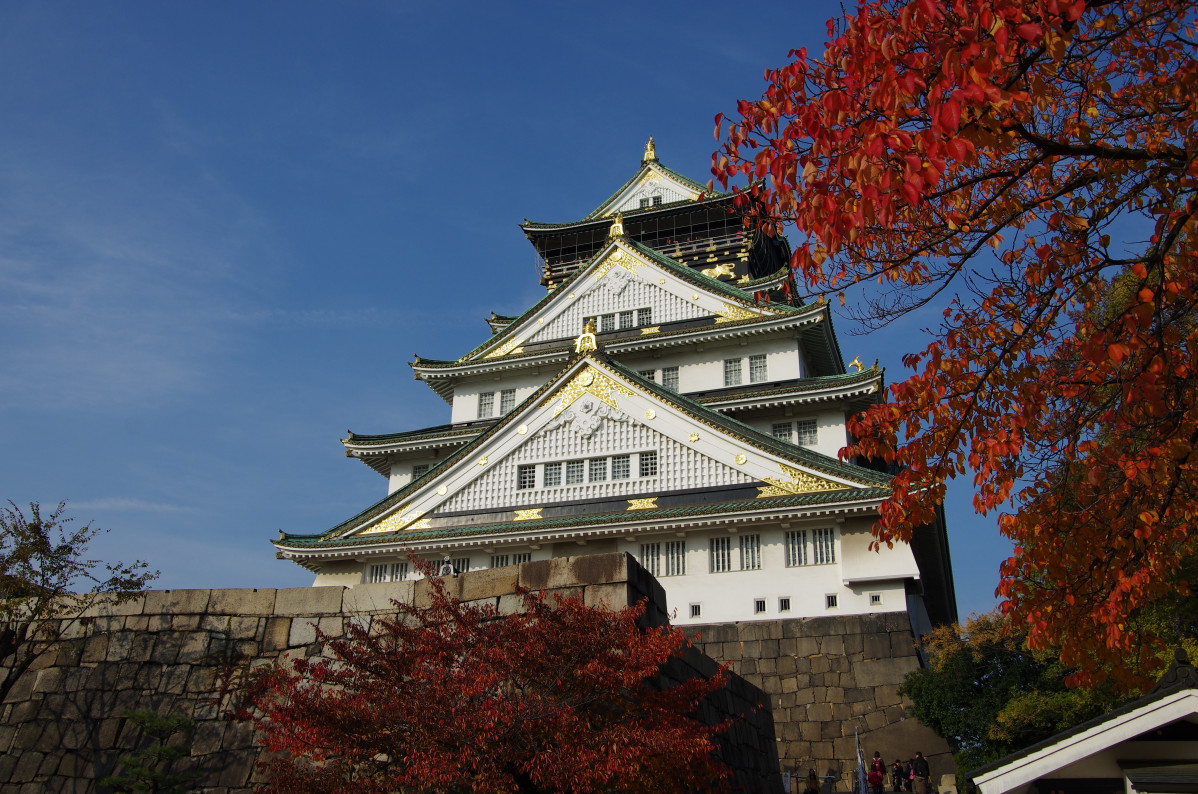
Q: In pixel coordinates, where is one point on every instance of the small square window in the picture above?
(486, 404)
(875, 599)
(598, 469)
(526, 477)
(759, 606)
(696, 610)
(648, 374)
(757, 372)
(621, 467)
(732, 368)
(643, 203)
(644, 316)
(669, 378)
(625, 320)
(783, 604)
(419, 470)
(657, 201)
(830, 601)
(507, 401)
(781, 430)
(573, 472)
(808, 435)
(553, 474)
(607, 323)
(648, 464)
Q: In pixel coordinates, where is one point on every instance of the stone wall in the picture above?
(829, 679)
(61, 725)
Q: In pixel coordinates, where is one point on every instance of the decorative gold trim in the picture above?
(512, 346)
(798, 482)
(540, 321)
(522, 429)
(529, 515)
(617, 258)
(695, 297)
(729, 313)
(642, 504)
(652, 329)
(650, 414)
(591, 381)
(741, 460)
(586, 340)
(693, 437)
(661, 281)
(442, 491)
(482, 461)
(396, 521)
(423, 523)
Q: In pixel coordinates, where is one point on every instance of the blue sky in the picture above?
(225, 228)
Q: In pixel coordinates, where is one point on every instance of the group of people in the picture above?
(913, 776)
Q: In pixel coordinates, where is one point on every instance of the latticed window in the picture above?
(650, 558)
(526, 477)
(419, 470)
(625, 319)
(657, 201)
(669, 378)
(607, 322)
(644, 316)
(553, 474)
(524, 556)
(648, 464)
(781, 430)
(757, 372)
(573, 472)
(486, 404)
(643, 203)
(750, 552)
(823, 546)
(721, 555)
(796, 548)
(507, 401)
(499, 560)
(649, 374)
(807, 433)
(675, 558)
(732, 371)
(621, 467)
(598, 470)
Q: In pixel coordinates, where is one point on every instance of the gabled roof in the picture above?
(648, 169)
(767, 469)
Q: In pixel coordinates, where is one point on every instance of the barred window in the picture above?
(758, 606)
(621, 467)
(419, 470)
(757, 372)
(669, 378)
(830, 601)
(399, 571)
(526, 477)
(499, 560)
(524, 556)
(625, 320)
(808, 435)
(598, 470)
(607, 322)
(781, 430)
(507, 401)
(649, 374)
(486, 404)
(732, 367)
(675, 558)
(796, 548)
(648, 464)
(721, 555)
(573, 472)
(823, 546)
(650, 558)
(460, 564)
(784, 604)
(750, 552)
(553, 474)
(644, 316)
(696, 610)
(378, 573)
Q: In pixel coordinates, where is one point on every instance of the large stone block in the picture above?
(883, 672)
(176, 602)
(308, 601)
(377, 597)
(877, 646)
(107, 604)
(491, 583)
(242, 602)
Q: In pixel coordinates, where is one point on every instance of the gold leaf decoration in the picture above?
(729, 313)
(510, 346)
(652, 329)
(616, 258)
(529, 515)
(642, 504)
(797, 482)
(589, 381)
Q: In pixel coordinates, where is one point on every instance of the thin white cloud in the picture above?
(128, 504)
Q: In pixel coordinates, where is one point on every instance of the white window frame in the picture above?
(521, 557)
(806, 432)
(669, 378)
(647, 464)
(644, 316)
(831, 601)
(526, 477)
(796, 548)
(419, 470)
(696, 610)
(823, 546)
(720, 555)
(499, 561)
(553, 471)
(650, 558)
(758, 368)
(507, 401)
(486, 404)
(784, 604)
(607, 322)
(576, 472)
(621, 467)
(675, 558)
(783, 431)
(648, 374)
(750, 552)
(597, 470)
(758, 606)
(733, 368)
(627, 320)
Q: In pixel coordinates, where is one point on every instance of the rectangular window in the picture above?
(757, 372)
(675, 558)
(553, 474)
(607, 322)
(621, 467)
(732, 368)
(781, 430)
(823, 546)
(486, 404)
(783, 604)
(625, 320)
(644, 316)
(419, 470)
(378, 573)
(573, 472)
(796, 548)
(696, 610)
(650, 558)
(524, 556)
(648, 464)
(750, 552)
(830, 601)
(643, 204)
(669, 378)
(758, 606)
(598, 470)
(499, 561)
(526, 477)
(507, 401)
(808, 436)
(657, 201)
(460, 564)
(875, 599)
(648, 374)
(721, 555)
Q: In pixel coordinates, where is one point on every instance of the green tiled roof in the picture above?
(798, 386)
(386, 439)
(692, 184)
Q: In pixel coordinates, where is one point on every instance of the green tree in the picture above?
(47, 581)
(145, 771)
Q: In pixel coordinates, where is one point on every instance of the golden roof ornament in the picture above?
(586, 340)
(617, 226)
(650, 152)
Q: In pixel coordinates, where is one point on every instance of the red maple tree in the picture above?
(1030, 166)
(558, 696)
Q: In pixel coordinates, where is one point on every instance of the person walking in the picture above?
(921, 775)
(896, 775)
(876, 777)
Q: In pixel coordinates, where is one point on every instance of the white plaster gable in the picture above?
(652, 181)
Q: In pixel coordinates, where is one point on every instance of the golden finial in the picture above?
(586, 340)
(650, 152)
(856, 362)
(617, 226)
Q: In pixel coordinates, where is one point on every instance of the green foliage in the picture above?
(145, 770)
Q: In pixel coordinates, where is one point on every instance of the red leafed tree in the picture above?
(458, 697)
(1028, 166)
